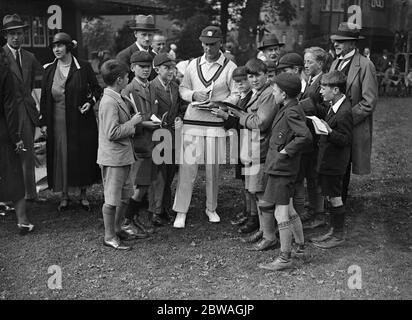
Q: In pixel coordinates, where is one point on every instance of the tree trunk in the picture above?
(247, 31)
(224, 17)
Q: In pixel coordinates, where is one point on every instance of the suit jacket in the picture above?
(125, 54)
(289, 132)
(362, 92)
(261, 110)
(312, 103)
(147, 106)
(335, 148)
(171, 103)
(24, 84)
(115, 131)
(9, 117)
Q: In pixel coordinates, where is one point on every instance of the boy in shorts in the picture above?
(334, 155)
(289, 137)
(143, 170)
(115, 153)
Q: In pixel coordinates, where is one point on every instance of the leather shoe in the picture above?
(124, 236)
(85, 204)
(37, 200)
(115, 243)
(144, 227)
(254, 237)
(157, 220)
(63, 205)
(134, 231)
(317, 221)
(323, 237)
(252, 224)
(240, 219)
(264, 245)
(330, 243)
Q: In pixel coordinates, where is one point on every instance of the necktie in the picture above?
(18, 61)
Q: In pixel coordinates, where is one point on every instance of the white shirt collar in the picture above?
(313, 79)
(141, 48)
(338, 103)
(220, 61)
(348, 55)
(14, 51)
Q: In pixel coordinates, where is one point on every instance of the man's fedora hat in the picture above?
(13, 21)
(144, 23)
(347, 31)
(269, 41)
(211, 34)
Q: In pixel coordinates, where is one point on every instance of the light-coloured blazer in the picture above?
(115, 132)
(24, 85)
(362, 92)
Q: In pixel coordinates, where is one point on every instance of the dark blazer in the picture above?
(362, 92)
(81, 87)
(11, 170)
(335, 148)
(24, 84)
(125, 54)
(147, 106)
(289, 132)
(312, 103)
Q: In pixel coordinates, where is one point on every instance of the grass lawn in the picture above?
(206, 261)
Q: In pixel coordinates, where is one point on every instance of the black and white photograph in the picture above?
(211, 157)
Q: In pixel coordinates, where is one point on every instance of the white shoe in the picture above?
(180, 220)
(213, 216)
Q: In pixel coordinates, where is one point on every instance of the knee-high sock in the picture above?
(120, 215)
(338, 219)
(285, 235)
(296, 228)
(109, 221)
(268, 224)
(247, 201)
(299, 197)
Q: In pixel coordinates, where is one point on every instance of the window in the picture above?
(337, 5)
(26, 31)
(39, 32)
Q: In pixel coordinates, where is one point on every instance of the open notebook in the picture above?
(320, 128)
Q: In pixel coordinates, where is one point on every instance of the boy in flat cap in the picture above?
(289, 137)
(171, 111)
(334, 154)
(143, 170)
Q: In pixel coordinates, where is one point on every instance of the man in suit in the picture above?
(24, 67)
(362, 91)
(158, 43)
(271, 48)
(144, 29)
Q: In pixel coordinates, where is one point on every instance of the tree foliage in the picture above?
(98, 34)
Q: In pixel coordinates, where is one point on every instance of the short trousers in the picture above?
(143, 172)
(331, 185)
(117, 184)
(255, 183)
(279, 189)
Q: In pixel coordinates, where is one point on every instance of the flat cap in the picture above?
(163, 59)
(289, 83)
(239, 73)
(290, 60)
(141, 58)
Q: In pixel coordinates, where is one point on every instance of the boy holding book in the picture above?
(115, 153)
(334, 154)
(289, 138)
(143, 171)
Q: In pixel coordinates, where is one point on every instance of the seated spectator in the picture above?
(392, 78)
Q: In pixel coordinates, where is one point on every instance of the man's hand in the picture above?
(178, 123)
(20, 147)
(327, 126)
(136, 119)
(43, 130)
(220, 113)
(200, 96)
(86, 107)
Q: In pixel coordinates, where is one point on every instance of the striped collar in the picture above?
(76, 63)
